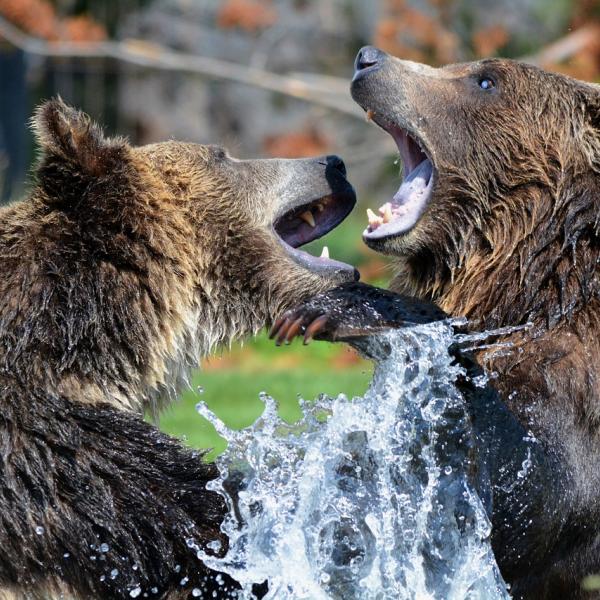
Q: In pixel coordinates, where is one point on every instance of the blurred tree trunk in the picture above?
(13, 119)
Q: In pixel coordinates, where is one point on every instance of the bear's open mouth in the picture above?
(408, 204)
(310, 221)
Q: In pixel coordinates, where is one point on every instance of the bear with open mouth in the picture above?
(497, 219)
(121, 269)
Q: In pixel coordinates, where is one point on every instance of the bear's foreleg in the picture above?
(97, 503)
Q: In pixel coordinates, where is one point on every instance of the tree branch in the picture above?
(329, 92)
(565, 47)
(155, 56)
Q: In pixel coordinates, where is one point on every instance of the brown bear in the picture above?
(497, 219)
(120, 270)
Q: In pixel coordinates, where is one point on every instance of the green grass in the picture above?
(233, 396)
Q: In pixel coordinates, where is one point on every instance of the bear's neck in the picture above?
(536, 262)
(111, 316)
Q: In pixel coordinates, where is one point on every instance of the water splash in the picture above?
(369, 498)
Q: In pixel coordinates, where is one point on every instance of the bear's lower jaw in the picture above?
(308, 221)
(402, 213)
(323, 265)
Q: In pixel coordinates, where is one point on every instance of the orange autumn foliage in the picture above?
(407, 32)
(487, 41)
(251, 15)
(309, 142)
(82, 29)
(585, 62)
(426, 35)
(39, 18)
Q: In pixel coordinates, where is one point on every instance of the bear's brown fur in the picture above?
(120, 270)
(509, 235)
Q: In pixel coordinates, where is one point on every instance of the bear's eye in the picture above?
(486, 83)
(220, 153)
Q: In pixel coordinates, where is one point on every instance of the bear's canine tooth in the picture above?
(307, 217)
(325, 252)
(370, 114)
(374, 220)
(386, 212)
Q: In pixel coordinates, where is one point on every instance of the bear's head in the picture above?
(177, 246)
(233, 226)
(501, 163)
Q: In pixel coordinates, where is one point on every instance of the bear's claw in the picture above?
(296, 322)
(349, 312)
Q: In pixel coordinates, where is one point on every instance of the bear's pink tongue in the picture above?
(407, 205)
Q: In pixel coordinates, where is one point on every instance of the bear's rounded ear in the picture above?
(69, 134)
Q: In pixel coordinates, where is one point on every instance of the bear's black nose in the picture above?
(335, 162)
(368, 56)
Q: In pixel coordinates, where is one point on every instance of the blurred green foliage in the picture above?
(591, 583)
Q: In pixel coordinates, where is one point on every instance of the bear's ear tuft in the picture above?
(69, 134)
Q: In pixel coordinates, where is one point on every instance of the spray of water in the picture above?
(369, 498)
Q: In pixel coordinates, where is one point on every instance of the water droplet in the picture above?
(190, 543)
(66, 555)
(135, 592)
(114, 573)
(104, 547)
(177, 568)
(448, 470)
(154, 590)
(196, 593)
(200, 390)
(102, 577)
(184, 581)
(39, 530)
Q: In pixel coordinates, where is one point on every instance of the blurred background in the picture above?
(263, 78)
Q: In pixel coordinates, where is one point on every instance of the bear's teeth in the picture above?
(374, 220)
(386, 212)
(307, 217)
(370, 114)
(325, 252)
